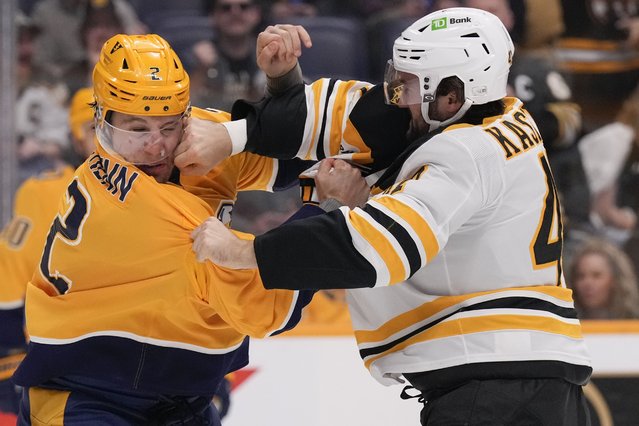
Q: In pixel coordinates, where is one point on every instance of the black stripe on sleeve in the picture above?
(500, 303)
(319, 151)
(312, 254)
(401, 235)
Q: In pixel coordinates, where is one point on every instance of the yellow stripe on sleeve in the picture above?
(352, 137)
(378, 241)
(416, 221)
(339, 108)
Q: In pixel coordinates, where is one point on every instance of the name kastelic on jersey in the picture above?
(526, 134)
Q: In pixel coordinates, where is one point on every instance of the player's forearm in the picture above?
(316, 253)
(275, 125)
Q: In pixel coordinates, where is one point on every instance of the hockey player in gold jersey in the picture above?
(462, 237)
(125, 326)
(22, 240)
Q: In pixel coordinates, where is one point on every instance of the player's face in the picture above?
(147, 142)
(402, 89)
(236, 18)
(593, 281)
(443, 108)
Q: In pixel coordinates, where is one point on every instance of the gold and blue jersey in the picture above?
(21, 244)
(119, 297)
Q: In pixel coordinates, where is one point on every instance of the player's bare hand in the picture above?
(339, 180)
(213, 241)
(204, 144)
(278, 48)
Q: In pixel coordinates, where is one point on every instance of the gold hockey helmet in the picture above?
(140, 75)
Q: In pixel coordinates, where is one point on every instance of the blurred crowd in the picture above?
(576, 68)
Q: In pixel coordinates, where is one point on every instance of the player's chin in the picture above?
(161, 172)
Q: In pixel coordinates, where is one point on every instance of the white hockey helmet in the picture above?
(470, 44)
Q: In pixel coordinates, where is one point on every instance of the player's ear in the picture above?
(453, 102)
(453, 99)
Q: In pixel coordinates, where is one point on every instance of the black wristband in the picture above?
(278, 85)
(330, 204)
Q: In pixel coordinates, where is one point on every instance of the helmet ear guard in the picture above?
(470, 44)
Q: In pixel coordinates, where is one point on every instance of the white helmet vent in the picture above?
(412, 54)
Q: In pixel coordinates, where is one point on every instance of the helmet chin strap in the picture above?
(435, 124)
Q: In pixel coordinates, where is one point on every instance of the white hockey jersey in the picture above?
(463, 244)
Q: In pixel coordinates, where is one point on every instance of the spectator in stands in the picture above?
(611, 154)
(626, 196)
(604, 283)
(596, 48)
(228, 71)
(101, 22)
(60, 47)
(27, 32)
(40, 114)
(284, 10)
(542, 24)
(281, 10)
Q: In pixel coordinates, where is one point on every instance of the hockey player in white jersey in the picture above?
(461, 242)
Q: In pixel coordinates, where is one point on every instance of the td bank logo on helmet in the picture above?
(441, 23)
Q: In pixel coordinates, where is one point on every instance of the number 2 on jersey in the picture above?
(68, 229)
(546, 247)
